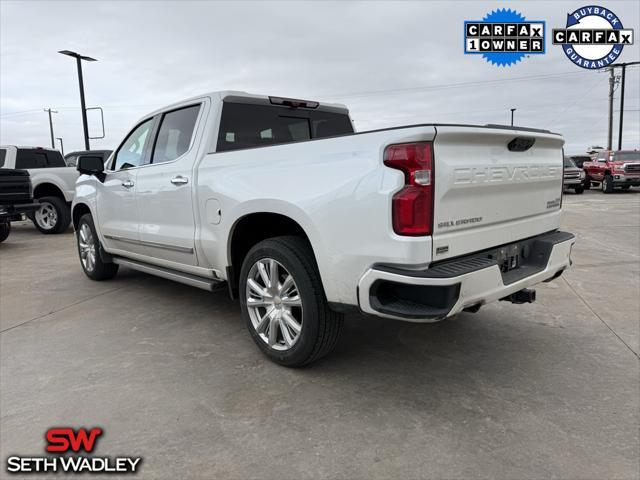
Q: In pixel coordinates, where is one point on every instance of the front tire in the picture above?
(579, 190)
(587, 182)
(284, 305)
(53, 216)
(5, 230)
(89, 249)
(607, 184)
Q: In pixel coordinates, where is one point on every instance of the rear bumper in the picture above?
(449, 287)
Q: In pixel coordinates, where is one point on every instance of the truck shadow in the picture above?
(493, 349)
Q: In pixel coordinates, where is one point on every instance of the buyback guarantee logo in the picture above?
(504, 37)
(593, 37)
(64, 446)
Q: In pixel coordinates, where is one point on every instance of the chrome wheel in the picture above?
(274, 304)
(87, 247)
(46, 216)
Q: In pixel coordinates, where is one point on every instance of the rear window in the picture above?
(3, 154)
(246, 125)
(38, 158)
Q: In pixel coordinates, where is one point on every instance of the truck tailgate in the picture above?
(487, 193)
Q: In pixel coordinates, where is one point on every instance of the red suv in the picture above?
(613, 169)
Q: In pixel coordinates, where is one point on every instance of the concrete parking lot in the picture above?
(548, 390)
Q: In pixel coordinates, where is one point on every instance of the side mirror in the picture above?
(90, 164)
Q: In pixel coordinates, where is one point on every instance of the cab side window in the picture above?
(174, 135)
(131, 153)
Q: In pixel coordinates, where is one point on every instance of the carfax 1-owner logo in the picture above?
(593, 37)
(504, 37)
(64, 447)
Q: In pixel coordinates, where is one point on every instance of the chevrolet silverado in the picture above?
(304, 219)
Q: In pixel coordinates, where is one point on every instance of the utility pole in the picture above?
(53, 143)
(61, 145)
(512, 110)
(622, 77)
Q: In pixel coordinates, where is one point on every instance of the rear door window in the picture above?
(249, 125)
(55, 159)
(175, 133)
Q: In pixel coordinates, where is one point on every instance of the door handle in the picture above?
(179, 180)
(127, 184)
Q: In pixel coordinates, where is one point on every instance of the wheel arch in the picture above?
(255, 227)
(48, 189)
(78, 211)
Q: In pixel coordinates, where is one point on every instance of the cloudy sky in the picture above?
(392, 63)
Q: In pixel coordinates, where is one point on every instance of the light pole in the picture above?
(61, 145)
(79, 59)
(53, 143)
(512, 110)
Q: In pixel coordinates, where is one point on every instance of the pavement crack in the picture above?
(599, 317)
(60, 309)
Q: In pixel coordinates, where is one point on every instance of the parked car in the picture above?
(16, 198)
(53, 184)
(614, 169)
(304, 219)
(72, 158)
(573, 177)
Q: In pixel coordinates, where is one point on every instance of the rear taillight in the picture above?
(412, 206)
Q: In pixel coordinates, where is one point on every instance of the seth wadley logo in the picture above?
(593, 37)
(65, 440)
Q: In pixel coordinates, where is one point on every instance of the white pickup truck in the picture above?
(53, 184)
(304, 219)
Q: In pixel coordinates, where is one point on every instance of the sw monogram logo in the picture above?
(64, 440)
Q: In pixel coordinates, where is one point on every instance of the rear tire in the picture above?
(279, 281)
(5, 230)
(53, 216)
(89, 251)
(579, 190)
(607, 184)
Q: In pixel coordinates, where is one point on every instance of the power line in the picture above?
(580, 97)
(452, 85)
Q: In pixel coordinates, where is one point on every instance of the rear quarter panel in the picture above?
(62, 177)
(336, 189)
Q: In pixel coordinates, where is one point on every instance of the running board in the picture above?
(181, 277)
